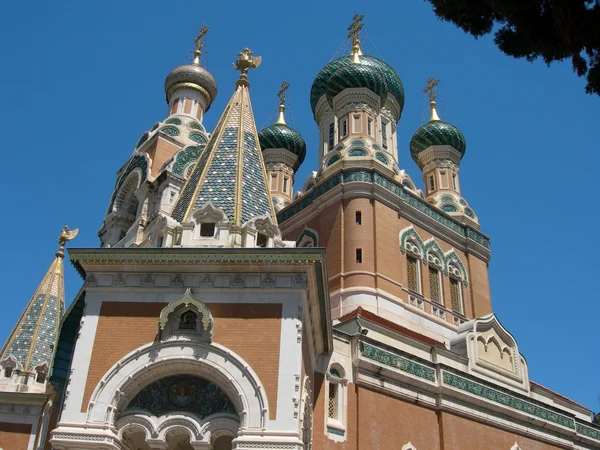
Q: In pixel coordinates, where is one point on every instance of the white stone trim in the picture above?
(156, 360)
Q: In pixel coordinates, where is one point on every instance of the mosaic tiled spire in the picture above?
(32, 340)
(230, 172)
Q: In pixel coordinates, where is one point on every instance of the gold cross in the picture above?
(355, 27)
(281, 93)
(431, 84)
(199, 38)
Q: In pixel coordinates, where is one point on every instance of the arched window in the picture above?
(188, 321)
(456, 296)
(435, 278)
(336, 402)
(413, 267)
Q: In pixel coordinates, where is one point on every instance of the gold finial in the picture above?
(431, 85)
(246, 62)
(199, 42)
(353, 30)
(281, 95)
(65, 236)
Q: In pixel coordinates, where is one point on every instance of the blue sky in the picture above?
(83, 80)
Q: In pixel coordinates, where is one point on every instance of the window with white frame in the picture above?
(336, 401)
(344, 128)
(384, 135)
(370, 126)
(286, 181)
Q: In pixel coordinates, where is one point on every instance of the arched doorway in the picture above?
(181, 412)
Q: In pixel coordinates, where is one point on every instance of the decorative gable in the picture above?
(492, 351)
(186, 317)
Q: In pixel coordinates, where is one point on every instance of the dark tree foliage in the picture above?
(553, 30)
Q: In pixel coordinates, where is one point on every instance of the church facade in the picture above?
(223, 310)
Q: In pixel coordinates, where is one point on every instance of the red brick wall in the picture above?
(14, 436)
(250, 330)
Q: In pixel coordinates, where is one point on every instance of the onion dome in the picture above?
(437, 132)
(192, 76)
(393, 83)
(280, 135)
(356, 76)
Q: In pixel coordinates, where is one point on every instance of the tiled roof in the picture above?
(32, 340)
(230, 171)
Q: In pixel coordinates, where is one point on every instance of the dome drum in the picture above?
(193, 77)
(436, 140)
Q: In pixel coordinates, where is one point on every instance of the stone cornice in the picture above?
(441, 387)
(416, 209)
(310, 261)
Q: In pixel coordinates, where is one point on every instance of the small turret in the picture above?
(283, 150)
(438, 148)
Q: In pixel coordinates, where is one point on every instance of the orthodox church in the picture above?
(354, 313)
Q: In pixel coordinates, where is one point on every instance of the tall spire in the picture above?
(230, 172)
(281, 95)
(353, 31)
(31, 342)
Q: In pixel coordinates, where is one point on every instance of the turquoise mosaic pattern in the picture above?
(391, 78)
(508, 400)
(220, 181)
(171, 131)
(220, 168)
(470, 213)
(282, 136)
(255, 197)
(449, 208)
(182, 393)
(185, 198)
(173, 121)
(198, 137)
(335, 431)
(197, 126)
(137, 162)
(143, 138)
(380, 157)
(357, 152)
(393, 187)
(437, 133)
(590, 432)
(356, 76)
(34, 336)
(188, 156)
(333, 159)
(397, 362)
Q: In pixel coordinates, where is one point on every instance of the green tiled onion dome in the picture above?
(392, 80)
(437, 132)
(282, 136)
(192, 76)
(356, 76)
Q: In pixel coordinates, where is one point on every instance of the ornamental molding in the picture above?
(355, 96)
(198, 280)
(413, 207)
(492, 351)
(442, 152)
(443, 163)
(186, 301)
(397, 362)
(279, 155)
(449, 261)
(154, 361)
(308, 238)
(494, 400)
